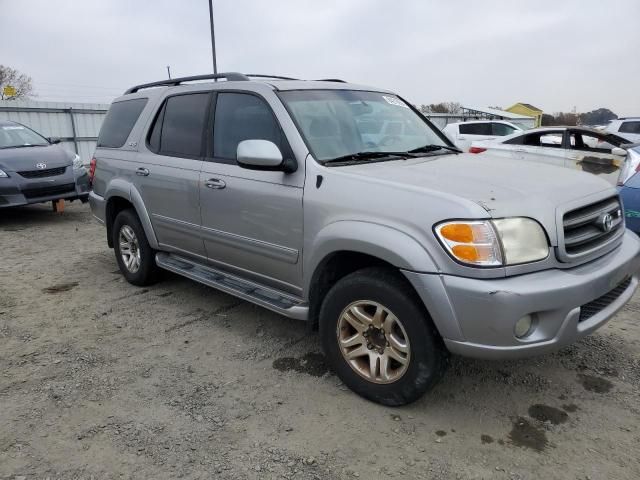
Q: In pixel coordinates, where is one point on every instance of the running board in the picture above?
(275, 300)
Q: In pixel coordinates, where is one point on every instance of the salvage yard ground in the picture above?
(101, 379)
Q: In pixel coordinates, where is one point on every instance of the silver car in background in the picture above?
(298, 196)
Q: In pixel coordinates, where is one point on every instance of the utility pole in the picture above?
(213, 38)
(169, 71)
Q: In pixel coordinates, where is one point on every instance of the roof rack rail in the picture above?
(331, 80)
(260, 75)
(229, 76)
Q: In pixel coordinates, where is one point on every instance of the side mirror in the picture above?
(621, 152)
(54, 140)
(263, 155)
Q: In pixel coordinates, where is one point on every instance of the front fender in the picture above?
(380, 241)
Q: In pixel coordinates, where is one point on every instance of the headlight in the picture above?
(3, 174)
(494, 243)
(77, 163)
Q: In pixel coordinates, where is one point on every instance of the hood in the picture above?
(502, 187)
(26, 158)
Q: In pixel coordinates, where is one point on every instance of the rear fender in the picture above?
(123, 189)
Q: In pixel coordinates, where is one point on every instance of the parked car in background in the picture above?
(586, 149)
(398, 247)
(628, 128)
(34, 169)
(629, 185)
(462, 134)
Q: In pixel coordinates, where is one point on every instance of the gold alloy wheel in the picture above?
(373, 341)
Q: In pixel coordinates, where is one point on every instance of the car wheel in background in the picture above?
(379, 339)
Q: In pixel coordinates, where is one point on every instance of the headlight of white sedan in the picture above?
(77, 163)
(494, 243)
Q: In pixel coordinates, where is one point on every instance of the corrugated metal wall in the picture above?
(77, 124)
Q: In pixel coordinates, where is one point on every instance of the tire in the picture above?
(142, 270)
(409, 335)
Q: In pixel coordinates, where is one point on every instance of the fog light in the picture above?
(523, 326)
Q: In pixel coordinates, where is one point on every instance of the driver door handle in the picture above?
(143, 172)
(215, 183)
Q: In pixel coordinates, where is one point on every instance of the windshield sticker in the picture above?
(13, 127)
(395, 101)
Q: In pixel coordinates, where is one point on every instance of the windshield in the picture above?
(338, 123)
(12, 136)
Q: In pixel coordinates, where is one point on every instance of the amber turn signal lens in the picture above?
(457, 232)
(467, 253)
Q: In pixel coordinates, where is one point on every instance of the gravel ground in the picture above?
(101, 379)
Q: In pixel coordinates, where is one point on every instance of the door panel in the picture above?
(168, 171)
(251, 219)
(253, 224)
(171, 194)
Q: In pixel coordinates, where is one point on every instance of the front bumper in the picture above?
(16, 191)
(477, 317)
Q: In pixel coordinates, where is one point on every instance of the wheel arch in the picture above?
(344, 247)
(122, 195)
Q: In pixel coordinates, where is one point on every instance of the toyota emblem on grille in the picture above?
(41, 166)
(605, 222)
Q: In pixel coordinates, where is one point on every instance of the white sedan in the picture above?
(586, 149)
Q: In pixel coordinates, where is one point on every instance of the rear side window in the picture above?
(539, 139)
(500, 129)
(475, 128)
(120, 119)
(241, 117)
(178, 128)
(630, 127)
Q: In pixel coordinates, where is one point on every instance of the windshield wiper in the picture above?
(357, 157)
(433, 147)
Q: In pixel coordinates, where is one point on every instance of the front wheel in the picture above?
(379, 338)
(135, 256)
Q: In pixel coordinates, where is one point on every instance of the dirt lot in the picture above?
(101, 379)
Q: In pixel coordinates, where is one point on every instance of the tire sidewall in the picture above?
(427, 350)
(146, 272)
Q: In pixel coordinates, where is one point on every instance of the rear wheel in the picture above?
(134, 255)
(379, 339)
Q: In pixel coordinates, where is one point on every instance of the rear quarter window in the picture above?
(475, 128)
(119, 122)
(630, 127)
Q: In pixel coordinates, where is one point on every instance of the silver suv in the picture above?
(294, 195)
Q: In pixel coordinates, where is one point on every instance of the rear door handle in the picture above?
(215, 183)
(143, 172)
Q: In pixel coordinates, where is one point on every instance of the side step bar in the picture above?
(275, 300)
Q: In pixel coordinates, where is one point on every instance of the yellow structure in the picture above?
(528, 110)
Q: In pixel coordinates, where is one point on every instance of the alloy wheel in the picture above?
(373, 341)
(129, 248)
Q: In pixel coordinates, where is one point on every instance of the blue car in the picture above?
(629, 186)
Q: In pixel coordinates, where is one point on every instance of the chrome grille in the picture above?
(51, 172)
(589, 228)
